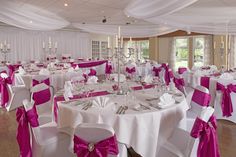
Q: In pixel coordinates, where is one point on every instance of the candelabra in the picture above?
(5, 48)
(119, 54)
(49, 49)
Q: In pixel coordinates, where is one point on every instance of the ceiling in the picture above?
(206, 16)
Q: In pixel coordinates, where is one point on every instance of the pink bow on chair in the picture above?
(100, 149)
(205, 82)
(130, 70)
(46, 81)
(181, 70)
(179, 84)
(108, 68)
(226, 103)
(167, 76)
(4, 91)
(23, 134)
(208, 142)
(201, 98)
(157, 70)
(92, 72)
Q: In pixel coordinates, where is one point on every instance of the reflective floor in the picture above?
(9, 146)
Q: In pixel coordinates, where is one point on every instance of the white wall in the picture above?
(27, 45)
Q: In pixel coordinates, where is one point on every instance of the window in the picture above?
(181, 52)
(141, 49)
(95, 49)
(198, 51)
(99, 50)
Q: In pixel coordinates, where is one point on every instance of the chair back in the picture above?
(93, 136)
(200, 99)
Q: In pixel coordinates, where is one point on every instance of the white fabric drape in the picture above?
(126, 30)
(154, 8)
(172, 53)
(30, 17)
(208, 53)
(232, 55)
(27, 45)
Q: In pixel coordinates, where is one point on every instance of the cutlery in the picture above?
(124, 109)
(121, 110)
(118, 111)
(86, 106)
(146, 107)
(151, 99)
(89, 105)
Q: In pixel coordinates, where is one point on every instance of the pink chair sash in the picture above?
(226, 102)
(157, 70)
(130, 70)
(201, 98)
(4, 91)
(181, 70)
(101, 149)
(205, 82)
(42, 96)
(12, 69)
(92, 72)
(46, 81)
(208, 142)
(108, 69)
(23, 133)
(179, 84)
(167, 76)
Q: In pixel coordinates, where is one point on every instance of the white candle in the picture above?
(49, 39)
(108, 42)
(130, 42)
(229, 42)
(8, 46)
(49, 45)
(116, 41)
(43, 45)
(122, 42)
(55, 45)
(119, 32)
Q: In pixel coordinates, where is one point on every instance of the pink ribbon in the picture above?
(143, 87)
(130, 70)
(205, 82)
(226, 102)
(23, 134)
(12, 69)
(201, 98)
(179, 84)
(108, 69)
(102, 148)
(92, 72)
(167, 77)
(46, 81)
(208, 142)
(4, 91)
(181, 70)
(157, 70)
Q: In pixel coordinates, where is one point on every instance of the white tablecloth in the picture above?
(144, 130)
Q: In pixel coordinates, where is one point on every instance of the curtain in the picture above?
(172, 53)
(27, 45)
(232, 55)
(208, 50)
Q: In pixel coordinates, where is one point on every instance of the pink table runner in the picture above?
(89, 64)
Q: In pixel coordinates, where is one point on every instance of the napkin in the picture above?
(72, 60)
(77, 67)
(148, 79)
(166, 100)
(71, 69)
(102, 102)
(21, 71)
(226, 76)
(3, 75)
(92, 80)
(68, 90)
(44, 72)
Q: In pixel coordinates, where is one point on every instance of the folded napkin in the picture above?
(77, 67)
(166, 100)
(71, 69)
(21, 71)
(226, 76)
(68, 90)
(44, 72)
(148, 79)
(3, 75)
(102, 102)
(67, 65)
(92, 80)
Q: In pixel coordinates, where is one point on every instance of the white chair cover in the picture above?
(46, 140)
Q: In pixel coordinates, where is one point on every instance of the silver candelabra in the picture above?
(5, 48)
(50, 48)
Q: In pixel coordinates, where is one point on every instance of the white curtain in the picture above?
(126, 30)
(172, 53)
(30, 17)
(232, 55)
(208, 50)
(27, 45)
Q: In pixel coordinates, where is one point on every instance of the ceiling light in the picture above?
(66, 4)
(128, 16)
(31, 22)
